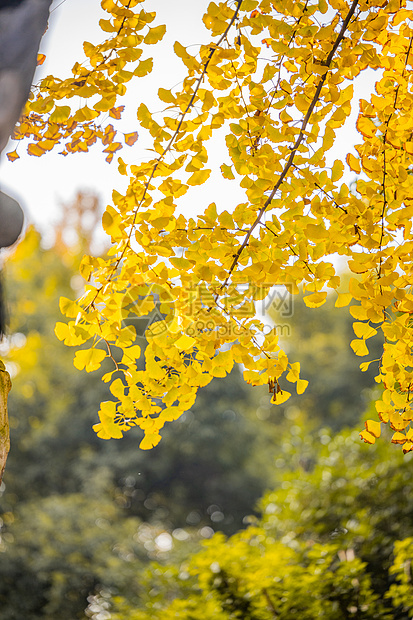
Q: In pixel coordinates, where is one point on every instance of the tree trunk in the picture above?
(5, 385)
(22, 25)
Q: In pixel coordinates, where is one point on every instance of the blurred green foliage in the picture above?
(102, 530)
(325, 547)
(213, 456)
(338, 392)
(61, 480)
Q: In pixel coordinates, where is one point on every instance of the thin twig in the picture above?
(168, 147)
(296, 145)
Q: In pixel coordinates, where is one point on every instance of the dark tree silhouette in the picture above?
(22, 25)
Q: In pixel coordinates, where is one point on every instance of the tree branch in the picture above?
(169, 145)
(296, 145)
(5, 385)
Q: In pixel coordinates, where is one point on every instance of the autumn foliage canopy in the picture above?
(273, 84)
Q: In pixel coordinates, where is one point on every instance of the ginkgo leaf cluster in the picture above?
(52, 119)
(276, 80)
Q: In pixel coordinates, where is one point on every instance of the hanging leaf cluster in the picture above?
(274, 84)
(52, 120)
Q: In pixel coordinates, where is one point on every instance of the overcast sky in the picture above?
(42, 183)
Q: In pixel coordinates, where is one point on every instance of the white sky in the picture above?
(42, 183)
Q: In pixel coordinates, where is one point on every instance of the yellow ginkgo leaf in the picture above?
(353, 163)
(367, 437)
(315, 300)
(399, 438)
(185, 342)
(68, 307)
(364, 330)
(89, 359)
(107, 413)
(199, 178)
(407, 447)
(280, 397)
(117, 388)
(294, 372)
(397, 423)
(343, 300)
(373, 427)
(150, 441)
(359, 347)
(155, 35)
(364, 366)
(301, 386)
(60, 114)
(12, 156)
(101, 432)
(337, 170)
